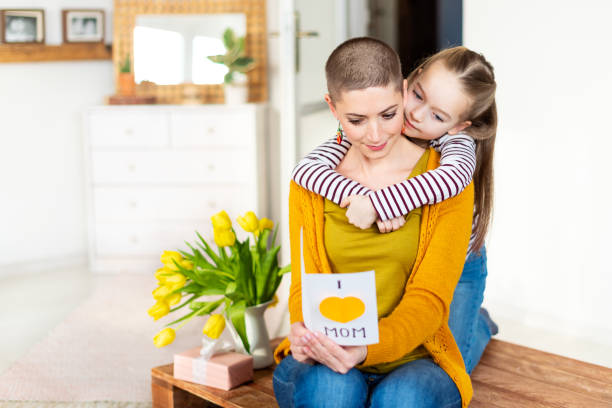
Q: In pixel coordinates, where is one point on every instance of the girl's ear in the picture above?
(332, 108)
(459, 127)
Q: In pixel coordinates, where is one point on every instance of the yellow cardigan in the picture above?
(421, 317)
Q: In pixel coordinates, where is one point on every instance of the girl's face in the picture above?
(372, 118)
(434, 104)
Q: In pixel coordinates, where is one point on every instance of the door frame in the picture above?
(290, 111)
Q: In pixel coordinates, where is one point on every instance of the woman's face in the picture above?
(372, 118)
(434, 104)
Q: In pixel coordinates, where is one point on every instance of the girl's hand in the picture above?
(338, 358)
(391, 225)
(298, 331)
(360, 212)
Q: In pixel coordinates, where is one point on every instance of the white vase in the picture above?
(257, 334)
(236, 94)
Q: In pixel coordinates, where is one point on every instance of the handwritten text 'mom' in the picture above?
(345, 332)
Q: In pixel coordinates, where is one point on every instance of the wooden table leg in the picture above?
(162, 393)
(167, 396)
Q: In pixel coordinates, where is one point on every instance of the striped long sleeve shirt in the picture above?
(316, 172)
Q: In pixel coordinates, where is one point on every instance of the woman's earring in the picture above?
(339, 133)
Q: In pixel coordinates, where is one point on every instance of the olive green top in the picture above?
(390, 255)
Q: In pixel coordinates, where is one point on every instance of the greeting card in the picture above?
(340, 305)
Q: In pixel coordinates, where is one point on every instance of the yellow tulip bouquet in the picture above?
(243, 274)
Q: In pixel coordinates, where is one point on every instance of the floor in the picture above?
(31, 304)
(579, 348)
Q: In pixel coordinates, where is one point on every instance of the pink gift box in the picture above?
(224, 370)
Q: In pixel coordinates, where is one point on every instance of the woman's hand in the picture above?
(299, 331)
(338, 358)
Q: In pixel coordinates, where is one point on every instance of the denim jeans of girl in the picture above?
(419, 383)
(470, 324)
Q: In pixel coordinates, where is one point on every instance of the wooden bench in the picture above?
(508, 375)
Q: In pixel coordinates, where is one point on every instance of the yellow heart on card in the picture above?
(342, 310)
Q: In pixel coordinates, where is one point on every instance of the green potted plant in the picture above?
(238, 64)
(126, 77)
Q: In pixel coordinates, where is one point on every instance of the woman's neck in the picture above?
(381, 172)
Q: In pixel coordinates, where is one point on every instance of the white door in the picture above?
(299, 118)
(309, 30)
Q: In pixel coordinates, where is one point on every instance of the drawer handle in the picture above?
(133, 204)
(129, 132)
(211, 130)
(211, 167)
(134, 239)
(132, 167)
(212, 204)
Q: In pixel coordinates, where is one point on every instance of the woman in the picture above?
(416, 362)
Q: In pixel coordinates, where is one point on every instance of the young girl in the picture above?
(417, 360)
(466, 148)
(458, 149)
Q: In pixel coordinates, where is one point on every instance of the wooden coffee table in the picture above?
(508, 376)
(169, 392)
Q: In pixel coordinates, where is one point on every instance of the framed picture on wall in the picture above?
(83, 26)
(23, 26)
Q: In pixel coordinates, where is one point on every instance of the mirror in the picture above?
(172, 49)
(162, 60)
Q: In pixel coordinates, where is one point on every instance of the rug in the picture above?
(93, 404)
(102, 352)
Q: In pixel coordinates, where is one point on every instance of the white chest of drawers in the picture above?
(156, 174)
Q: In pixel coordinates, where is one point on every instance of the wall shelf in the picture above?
(63, 52)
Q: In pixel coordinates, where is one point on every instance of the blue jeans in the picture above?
(419, 383)
(470, 324)
(294, 382)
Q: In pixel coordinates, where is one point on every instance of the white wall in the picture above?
(550, 278)
(42, 209)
